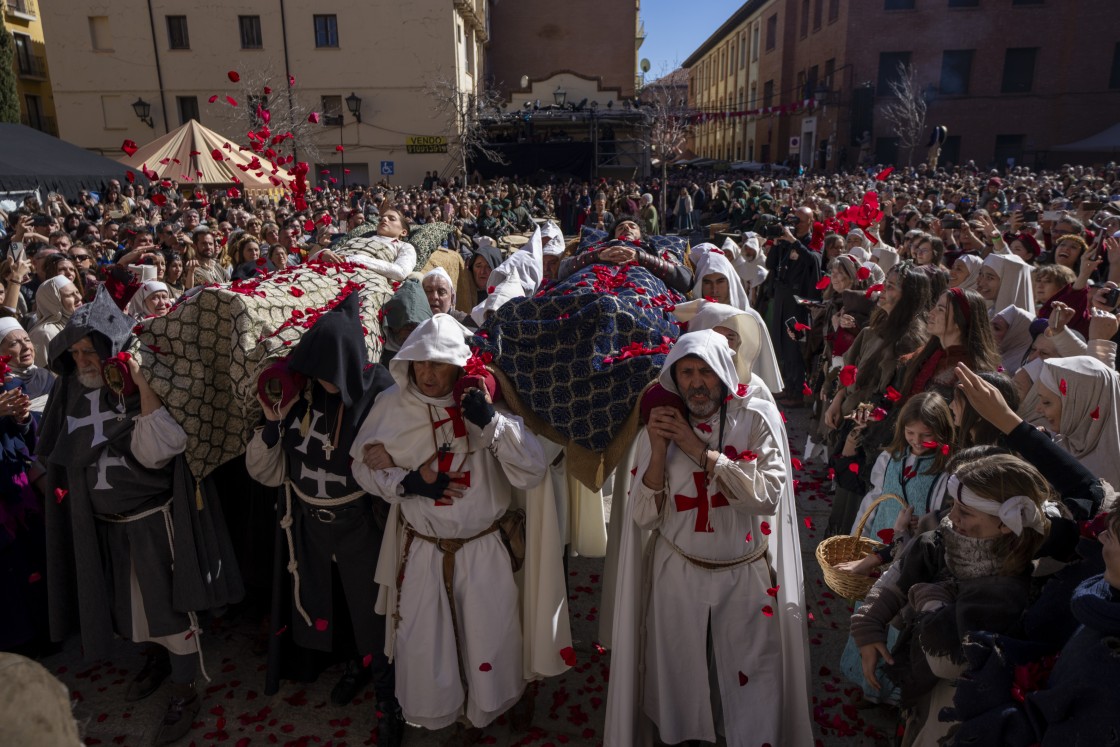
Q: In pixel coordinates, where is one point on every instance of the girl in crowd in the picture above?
(173, 275)
(1005, 280)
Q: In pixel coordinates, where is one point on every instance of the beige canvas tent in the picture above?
(186, 155)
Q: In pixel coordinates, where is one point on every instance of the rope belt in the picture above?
(448, 546)
(169, 527)
(320, 504)
(719, 565)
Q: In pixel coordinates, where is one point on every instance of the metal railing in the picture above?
(32, 65)
(48, 125)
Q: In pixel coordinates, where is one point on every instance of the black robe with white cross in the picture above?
(86, 447)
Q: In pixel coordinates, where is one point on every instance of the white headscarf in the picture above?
(525, 266)
(973, 263)
(508, 290)
(440, 339)
(713, 263)
(1090, 426)
(1017, 340)
(753, 272)
(554, 246)
(756, 355)
(711, 347)
(8, 324)
(1014, 281)
(48, 301)
(136, 307)
(698, 251)
(887, 256)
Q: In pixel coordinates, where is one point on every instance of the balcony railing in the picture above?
(32, 66)
(21, 8)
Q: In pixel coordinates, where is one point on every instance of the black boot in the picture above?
(390, 724)
(157, 667)
(181, 710)
(353, 680)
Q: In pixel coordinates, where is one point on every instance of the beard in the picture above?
(90, 379)
(701, 409)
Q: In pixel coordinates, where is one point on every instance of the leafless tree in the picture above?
(266, 99)
(666, 124)
(906, 114)
(462, 112)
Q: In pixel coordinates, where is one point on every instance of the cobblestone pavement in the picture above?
(569, 709)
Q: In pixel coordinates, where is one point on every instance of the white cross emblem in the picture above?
(96, 418)
(320, 437)
(321, 478)
(104, 462)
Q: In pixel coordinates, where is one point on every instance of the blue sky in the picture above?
(675, 28)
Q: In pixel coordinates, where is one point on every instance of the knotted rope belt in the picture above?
(447, 546)
(718, 565)
(286, 525)
(169, 527)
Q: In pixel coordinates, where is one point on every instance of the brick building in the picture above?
(804, 79)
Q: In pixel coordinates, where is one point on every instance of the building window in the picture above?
(964, 3)
(886, 150)
(829, 69)
(1114, 78)
(1009, 149)
(833, 10)
(818, 14)
(888, 70)
(754, 44)
(804, 18)
(956, 69)
(950, 150)
(331, 106)
(898, 5)
(34, 107)
(25, 61)
(250, 32)
(771, 32)
(188, 108)
(742, 51)
(99, 38)
(768, 93)
(1018, 70)
(470, 53)
(177, 37)
(326, 30)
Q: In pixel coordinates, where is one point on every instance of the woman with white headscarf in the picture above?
(1079, 397)
(1011, 328)
(964, 271)
(1005, 280)
(884, 256)
(55, 301)
(17, 346)
(152, 299)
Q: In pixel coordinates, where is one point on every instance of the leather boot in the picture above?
(390, 724)
(157, 668)
(463, 736)
(182, 707)
(354, 679)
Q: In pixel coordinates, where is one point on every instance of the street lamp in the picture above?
(354, 104)
(143, 111)
(560, 96)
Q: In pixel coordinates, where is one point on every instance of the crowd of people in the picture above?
(951, 333)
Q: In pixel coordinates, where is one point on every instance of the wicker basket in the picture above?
(841, 549)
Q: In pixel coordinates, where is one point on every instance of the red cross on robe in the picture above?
(700, 502)
(443, 464)
(455, 417)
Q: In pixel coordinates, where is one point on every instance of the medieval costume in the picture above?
(454, 623)
(331, 524)
(702, 583)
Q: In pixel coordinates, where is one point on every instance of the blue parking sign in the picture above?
(386, 168)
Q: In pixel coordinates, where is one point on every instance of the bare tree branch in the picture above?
(665, 124)
(907, 113)
(267, 101)
(461, 111)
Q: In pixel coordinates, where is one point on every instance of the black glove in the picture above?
(476, 409)
(414, 484)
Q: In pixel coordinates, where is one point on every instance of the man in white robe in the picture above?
(714, 488)
(448, 464)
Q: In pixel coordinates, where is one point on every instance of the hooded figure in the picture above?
(1017, 340)
(1089, 392)
(755, 360)
(1015, 285)
(332, 525)
(707, 618)
(520, 275)
(456, 635)
(52, 315)
(133, 546)
(404, 312)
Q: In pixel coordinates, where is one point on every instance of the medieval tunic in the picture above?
(433, 655)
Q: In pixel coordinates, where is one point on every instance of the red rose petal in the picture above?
(231, 100)
(848, 375)
(213, 98)
(321, 625)
(1062, 387)
(742, 679)
(808, 521)
(59, 494)
(742, 390)
(764, 527)
(129, 147)
(806, 389)
(704, 427)
(893, 394)
(768, 611)
(886, 536)
(1096, 414)
(853, 468)
(367, 660)
(863, 273)
(568, 654)
(824, 283)
(233, 76)
(831, 473)
(484, 667)
(795, 463)
(749, 537)
(773, 591)
(313, 117)
(35, 577)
